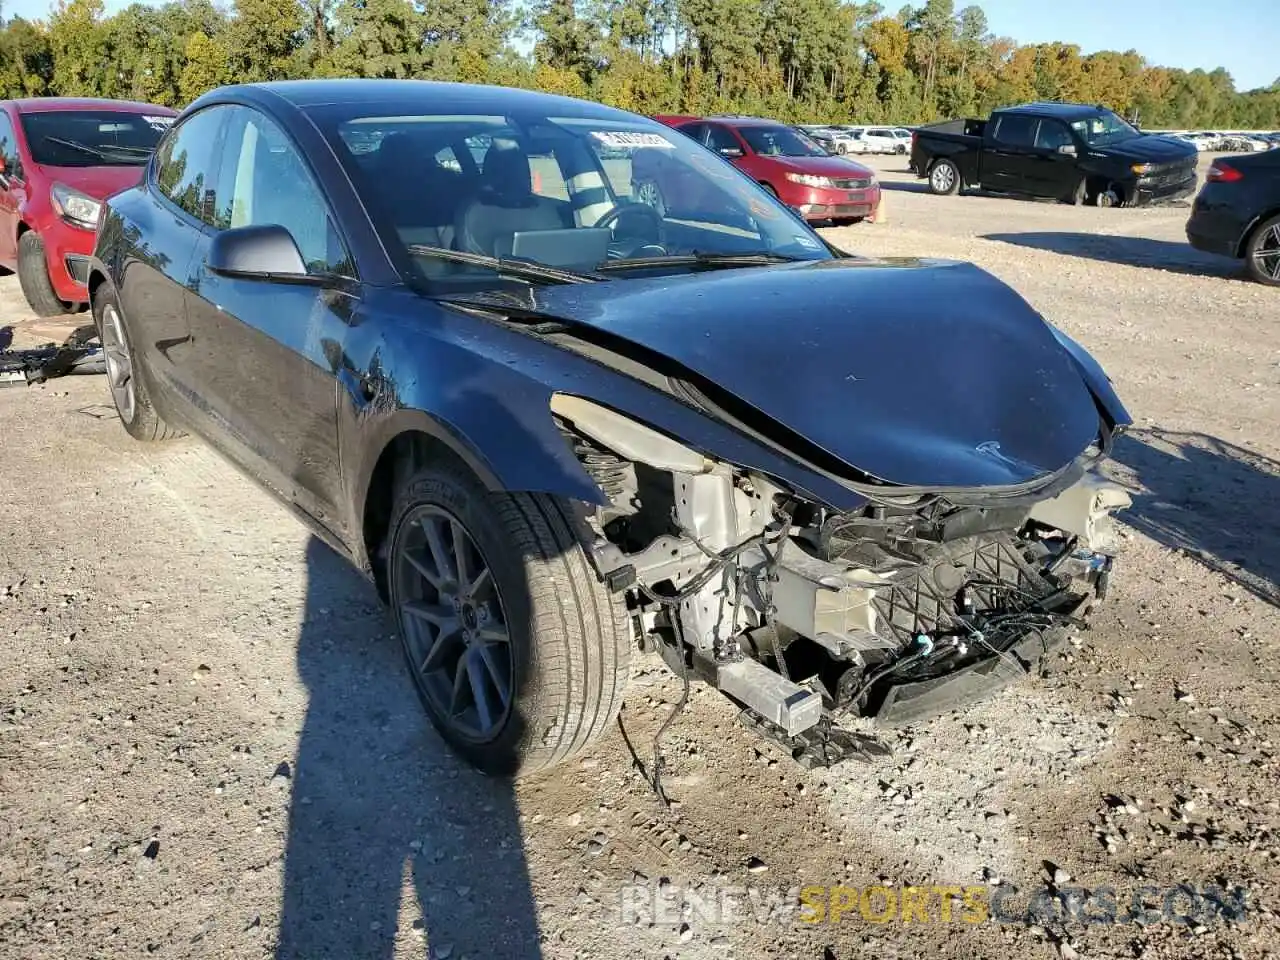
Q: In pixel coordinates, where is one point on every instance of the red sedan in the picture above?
(795, 169)
(60, 158)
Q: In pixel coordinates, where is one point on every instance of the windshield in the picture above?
(93, 138)
(613, 198)
(780, 142)
(1103, 129)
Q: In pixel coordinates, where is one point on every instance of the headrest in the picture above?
(506, 171)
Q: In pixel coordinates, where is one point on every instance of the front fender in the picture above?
(1096, 380)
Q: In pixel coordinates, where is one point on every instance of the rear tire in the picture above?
(944, 178)
(125, 377)
(1262, 253)
(33, 277)
(532, 621)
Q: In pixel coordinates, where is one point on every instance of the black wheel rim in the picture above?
(1266, 252)
(453, 624)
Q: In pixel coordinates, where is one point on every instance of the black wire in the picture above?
(770, 569)
(671, 717)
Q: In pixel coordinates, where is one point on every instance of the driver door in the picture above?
(265, 368)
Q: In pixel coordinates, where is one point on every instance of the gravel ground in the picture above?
(208, 746)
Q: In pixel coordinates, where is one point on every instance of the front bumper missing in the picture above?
(909, 702)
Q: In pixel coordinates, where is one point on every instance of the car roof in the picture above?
(435, 97)
(1065, 111)
(57, 104)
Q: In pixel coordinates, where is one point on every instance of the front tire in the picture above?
(518, 652)
(1262, 253)
(33, 277)
(944, 178)
(124, 377)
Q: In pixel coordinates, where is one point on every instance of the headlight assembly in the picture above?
(76, 208)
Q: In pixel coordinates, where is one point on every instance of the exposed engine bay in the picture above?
(916, 603)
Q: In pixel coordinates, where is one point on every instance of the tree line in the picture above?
(830, 61)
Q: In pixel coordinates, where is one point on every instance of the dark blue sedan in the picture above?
(555, 423)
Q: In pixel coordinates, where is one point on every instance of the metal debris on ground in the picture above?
(81, 352)
(823, 745)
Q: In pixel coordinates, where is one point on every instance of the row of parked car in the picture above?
(1209, 142)
(852, 138)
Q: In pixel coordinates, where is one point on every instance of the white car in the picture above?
(837, 140)
(903, 136)
(881, 139)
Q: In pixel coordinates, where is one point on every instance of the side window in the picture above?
(9, 148)
(718, 139)
(186, 163)
(1015, 130)
(1052, 135)
(694, 131)
(264, 181)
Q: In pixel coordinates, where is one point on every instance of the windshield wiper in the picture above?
(519, 269)
(77, 145)
(116, 152)
(699, 259)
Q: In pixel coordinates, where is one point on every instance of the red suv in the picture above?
(59, 159)
(794, 168)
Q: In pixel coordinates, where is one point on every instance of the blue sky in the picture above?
(1241, 35)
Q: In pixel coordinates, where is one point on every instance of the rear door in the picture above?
(267, 371)
(163, 227)
(12, 191)
(1007, 164)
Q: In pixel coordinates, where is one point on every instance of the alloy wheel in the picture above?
(942, 177)
(452, 624)
(647, 192)
(119, 362)
(1266, 253)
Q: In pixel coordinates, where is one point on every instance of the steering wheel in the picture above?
(629, 247)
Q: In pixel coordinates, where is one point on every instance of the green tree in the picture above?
(263, 38)
(207, 66)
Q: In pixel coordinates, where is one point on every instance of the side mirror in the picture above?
(265, 252)
(1068, 149)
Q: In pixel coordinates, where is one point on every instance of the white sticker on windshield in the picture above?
(809, 242)
(159, 123)
(621, 138)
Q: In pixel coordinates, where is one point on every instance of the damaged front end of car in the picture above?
(917, 602)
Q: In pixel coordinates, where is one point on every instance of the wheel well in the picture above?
(1253, 228)
(401, 458)
(96, 279)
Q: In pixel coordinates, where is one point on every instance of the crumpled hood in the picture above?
(917, 373)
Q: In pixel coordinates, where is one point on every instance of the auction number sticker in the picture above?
(159, 123)
(624, 139)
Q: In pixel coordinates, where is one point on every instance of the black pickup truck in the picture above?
(1065, 151)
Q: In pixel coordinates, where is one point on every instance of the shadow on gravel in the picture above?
(906, 186)
(1169, 255)
(6, 337)
(1218, 502)
(380, 806)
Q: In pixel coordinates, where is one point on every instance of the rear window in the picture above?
(1016, 129)
(93, 138)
